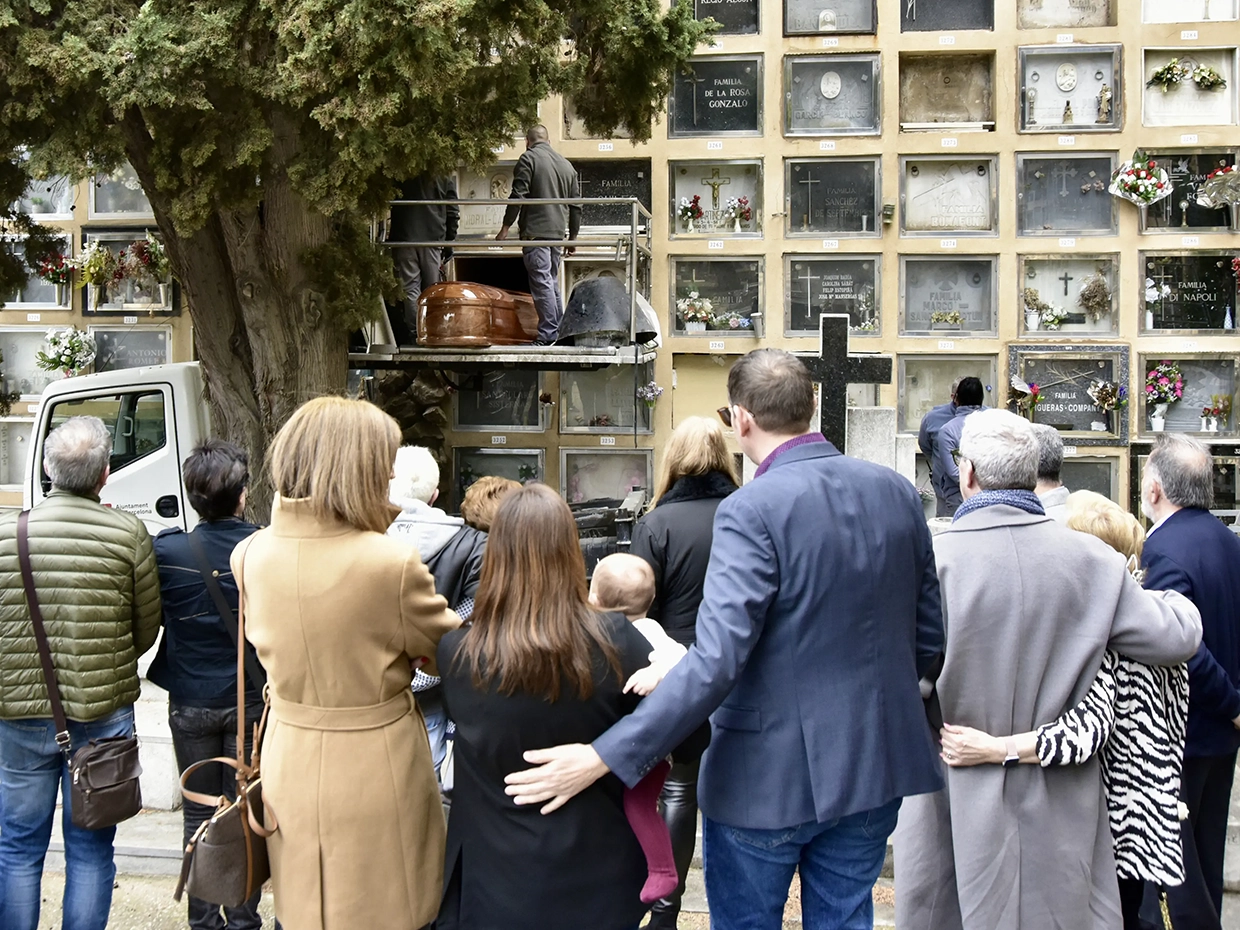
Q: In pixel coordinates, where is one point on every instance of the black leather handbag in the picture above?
(104, 788)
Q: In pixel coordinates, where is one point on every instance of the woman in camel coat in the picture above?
(340, 615)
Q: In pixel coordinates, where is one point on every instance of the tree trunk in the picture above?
(260, 332)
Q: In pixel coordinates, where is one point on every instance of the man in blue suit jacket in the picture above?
(1190, 550)
(820, 614)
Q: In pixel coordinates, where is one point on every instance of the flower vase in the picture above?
(689, 226)
(98, 297)
(1149, 320)
(759, 324)
(60, 295)
(650, 403)
(1032, 322)
(1205, 424)
(736, 226)
(163, 295)
(1213, 424)
(695, 326)
(1158, 419)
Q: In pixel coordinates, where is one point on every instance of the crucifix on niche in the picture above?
(714, 182)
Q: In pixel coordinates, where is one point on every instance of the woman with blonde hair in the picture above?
(482, 500)
(1134, 718)
(674, 537)
(340, 616)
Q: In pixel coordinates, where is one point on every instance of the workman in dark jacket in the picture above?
(418, 267)
(542, 172)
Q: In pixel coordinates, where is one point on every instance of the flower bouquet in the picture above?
(1052, 317)
(730, 321)
(1221, 188)
(736, 211)
(55, 269)
(1207, 78)
(1141, 181)
(1025, 397)
(695, 312)
(690, 211)
(100, 269)
(68, 350)
(1164, 384)
(1169, 75)
(146, 263)
(946, 318)
(649, 394)
(1095, 297)
(1107, 395)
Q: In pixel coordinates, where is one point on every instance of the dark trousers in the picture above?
(542, 264)
(1205, 787)
(678, 802)
(200, 733)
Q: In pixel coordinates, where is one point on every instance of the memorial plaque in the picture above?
(1064, 194)
(129, 295)
(1061, 281)
(1194, 290)
(942, 195)
(946, 15)
(943, 92)
(831, 95)
(1059, 14)
(36, 291)
(1188, 11)
(483, 222)
(47, 198)
(1064, 382)
(19, 347)
(715, 183)
(1075, 88)
(829, 195)
(814, 285)
(735, 17)
(937, 286)
(588, 475)
(811, 17)
(1097, 475)
(498, 401)
(733, 286)
(118, 194)
(613, 178)
(118, 347)
(574, 128)
(1203, 379)
(926, 382)
(1181, 210)
(718, 96)
(605, 401)
(470, 464)
(1186, 104)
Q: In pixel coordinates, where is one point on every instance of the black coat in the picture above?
(510, 867)
(675, 539)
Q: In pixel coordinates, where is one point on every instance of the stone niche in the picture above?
(1191, 291)
(1181, 210)
(735, 17)
(732, 285)
(20, 346)
(1064, 374)
(926, 382)
(119, 347)
(472, 463)
(483, 222)
(604, 401)
(1072, 88)
(577, 269)
(118, 194)
(716, 183)
(946, 15)
(932, 286)
(129, 294)
(719, 95)
(1188, 11)
(832, 95)
(1205, 378)
(947, 93)
(1058, 14)
(832, 195)
(1060, 194)
(574, 128)
(817, 284)
(1086, 473)
(613, 178)
(591, 475)
(1059, 281)
(948, 195)
(1185, 104)
(498, 401)
(830, 17)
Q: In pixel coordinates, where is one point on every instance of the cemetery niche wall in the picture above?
(1191, 291)
(483, 221)
(592, 475)
(1079, 290)
(948, 294)
(130, 294)
(506, 400)
(613, 178)
(118, 195)
(813, 17)
(1187, 170)
(48, 199)
(1099, 475)
(729, 294)
(836, 196)
(1064, 375)
(1064, 194)
(37, 293)
(925, 382)
(735, 17)
(729, 198)
(1182, 100)
(719, 95)
(939, 16)
(574, 128)
(946, 93)
(1071, 88)
(605, 401)
(832, 95)
(19, 347)
(1058, 14)
(1206, 378)
(470, 464)
(948, 195)
(817, 284)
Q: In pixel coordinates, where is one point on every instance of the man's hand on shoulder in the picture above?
(559, 774)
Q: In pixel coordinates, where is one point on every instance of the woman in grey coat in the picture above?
(1030, 608)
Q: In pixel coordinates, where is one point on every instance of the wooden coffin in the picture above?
(459, 313)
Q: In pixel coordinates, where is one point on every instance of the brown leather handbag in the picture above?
(226, 859)
(104, 789)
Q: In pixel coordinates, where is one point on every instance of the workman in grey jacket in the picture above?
(542, 172)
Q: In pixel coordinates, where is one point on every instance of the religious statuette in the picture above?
(1104, 104)
(1067, 112)
(1031, 96)
(1065, 77)
(830, 85)
(826, 21)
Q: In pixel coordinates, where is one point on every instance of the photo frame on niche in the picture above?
(948, 295)
(832, 95)
(733, 286)
(1205, 376)
(942, 195)
(36, 293)
(720, 187)
(1189, 291)
(128, 296)
(1187, 170)
(1071, 88)
(1065, 14)
(719, 95)
(1064, 375)
(829, 17)
(925, 382)
(121, 347)
(499, 401)
(469, 463)
(118, 195)
(816, 283)
(947, 93)
(593, 475)
(605, 400)
(1185, 102)
(833, 196)
(1080, 289)
(1058, 195)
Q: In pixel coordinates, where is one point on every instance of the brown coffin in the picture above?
(459, 313)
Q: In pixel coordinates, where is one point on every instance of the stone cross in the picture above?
(809, 280)
(1065, 279)
(714, 182)
(695, 81)
(835, 369)
(809, 182)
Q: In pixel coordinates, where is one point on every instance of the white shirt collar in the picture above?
(1155, 527)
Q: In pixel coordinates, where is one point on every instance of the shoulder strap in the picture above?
(227, 617)
(40, 633)
(244, 772)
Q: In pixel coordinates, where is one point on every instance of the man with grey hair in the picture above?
(1030, 608)
(1190, 550)
(98, 589)
(1050, 489)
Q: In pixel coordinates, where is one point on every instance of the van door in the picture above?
(145, 462)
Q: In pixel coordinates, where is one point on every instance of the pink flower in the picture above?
(1152, 374)
(1164, 380)
(1179, 385)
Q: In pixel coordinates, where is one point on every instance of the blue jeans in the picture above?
(749, 872)
(436, 717)
(32, 770)
(542, 264)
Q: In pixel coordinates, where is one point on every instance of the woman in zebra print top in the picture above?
(1133, 717)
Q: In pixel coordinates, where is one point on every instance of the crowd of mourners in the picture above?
(465, 730)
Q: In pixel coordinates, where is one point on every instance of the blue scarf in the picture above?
(1021, 500)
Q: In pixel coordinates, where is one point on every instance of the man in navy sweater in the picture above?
(1189, 550)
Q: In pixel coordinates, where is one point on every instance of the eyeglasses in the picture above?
(957, 457)
(725, 414)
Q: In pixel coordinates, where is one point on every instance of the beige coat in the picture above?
(337, 616)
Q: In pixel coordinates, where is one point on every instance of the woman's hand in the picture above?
(964, 746)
